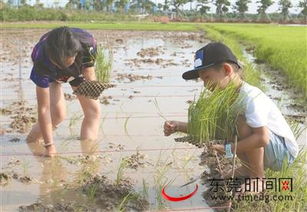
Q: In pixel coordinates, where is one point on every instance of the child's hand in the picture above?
(50, 151)
(170, 127)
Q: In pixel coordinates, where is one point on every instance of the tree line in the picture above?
(223, 7)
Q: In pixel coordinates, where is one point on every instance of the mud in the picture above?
(133, 77)
(22, 117)
(136, 74)
(4, 179)
(215, 167)
(159, 61)
(102, 195)
(135, 161)
(150, 52)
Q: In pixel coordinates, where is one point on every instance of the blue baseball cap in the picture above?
(210, 55)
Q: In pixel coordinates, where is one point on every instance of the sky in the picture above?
(252, 6)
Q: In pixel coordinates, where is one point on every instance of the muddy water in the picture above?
(147, 68)
(131, 122)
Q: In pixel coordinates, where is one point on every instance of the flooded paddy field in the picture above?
(132, 160)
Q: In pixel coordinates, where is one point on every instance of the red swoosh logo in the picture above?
(177, 199)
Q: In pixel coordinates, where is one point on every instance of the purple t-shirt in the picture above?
(44, 71)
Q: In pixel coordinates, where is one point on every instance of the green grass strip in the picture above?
(283, 47)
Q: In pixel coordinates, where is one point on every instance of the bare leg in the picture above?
(253, 164)
(254, 158)
(57, 109)
(91, 121)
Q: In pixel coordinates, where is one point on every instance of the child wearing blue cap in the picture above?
(265, 139)
(63, 55)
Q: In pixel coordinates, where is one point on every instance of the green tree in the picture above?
(178, 3)
(241, 7)
(303, 4)
(221, 7)
(108, 4)
(72, 4)
(38, 4)
(166, 5)
(98, 5)
(284, 7)
(203, 6)
(264, 5)
(142, 6)
(121, 5)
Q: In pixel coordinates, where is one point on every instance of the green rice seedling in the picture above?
(104, 118)
(297, 129)
(120, 172)
(160, 179)
(103, 64)
(214, 115)
(294, 200)
(126, 126)
(145, 192)
(91, 192)
(158, 108)
(123, 203)
(73, 121)
(25, 167)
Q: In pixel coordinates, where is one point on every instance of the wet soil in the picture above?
(22, 117)
(148, 81)
(101, 193)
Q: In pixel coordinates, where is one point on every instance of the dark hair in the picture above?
(60, 44)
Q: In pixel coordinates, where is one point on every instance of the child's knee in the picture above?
(58, 117)
(93, 112)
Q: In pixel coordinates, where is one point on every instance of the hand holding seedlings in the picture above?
(171, 127)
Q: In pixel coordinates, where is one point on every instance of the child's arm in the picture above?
(44, 118)
(89, 73)
(258, 138)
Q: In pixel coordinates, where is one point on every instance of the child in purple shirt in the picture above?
(63, 55)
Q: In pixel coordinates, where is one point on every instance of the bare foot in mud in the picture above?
(36, 148)
(33, 139)
(50, 151)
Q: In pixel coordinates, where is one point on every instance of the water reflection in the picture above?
(57, 182)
